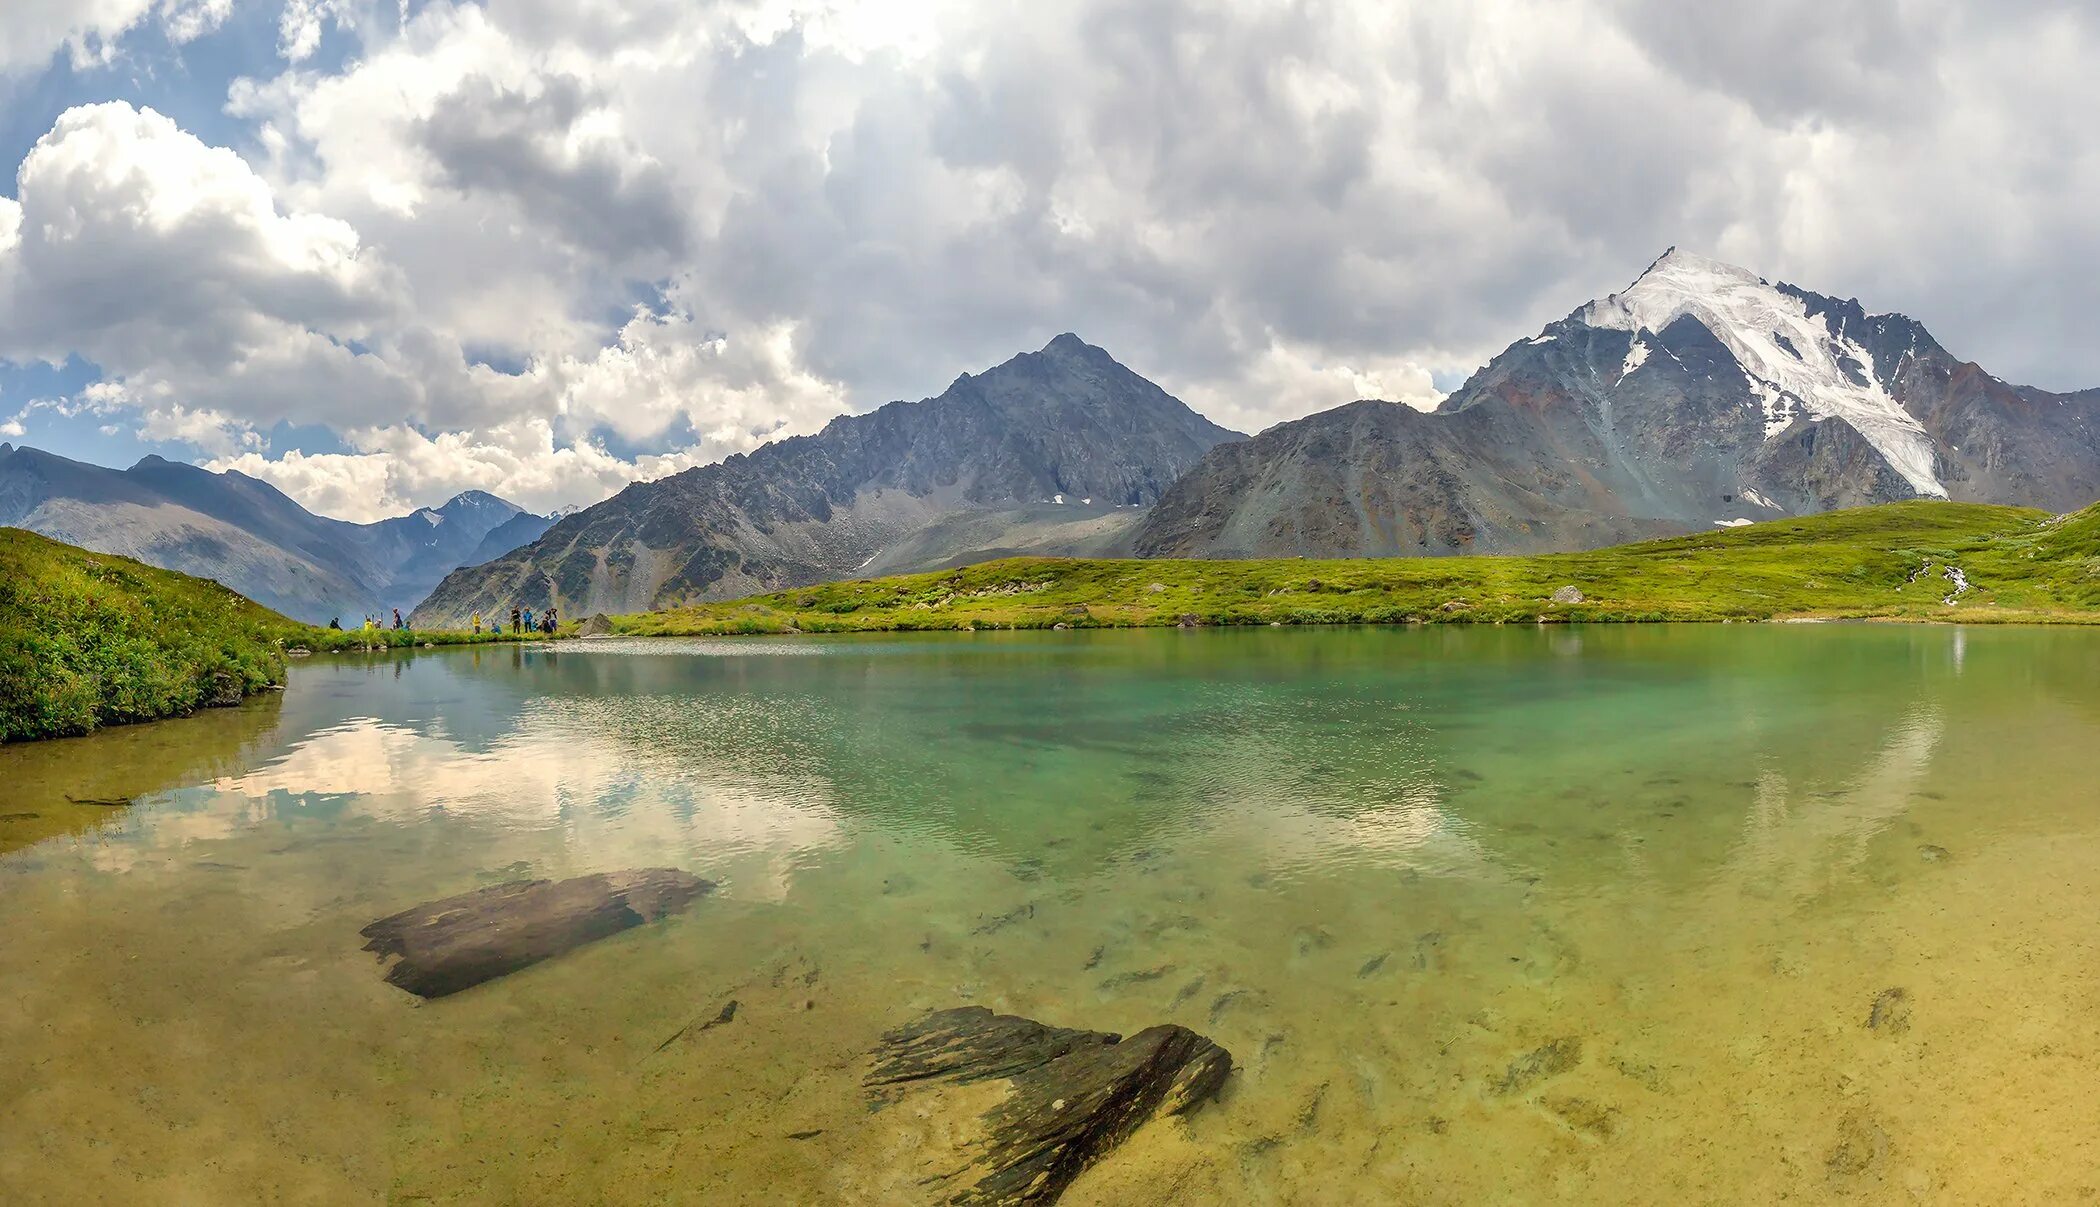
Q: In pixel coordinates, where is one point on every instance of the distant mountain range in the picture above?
(251, 537)
(1699, 396)
(1057, 451)
(1702, 395)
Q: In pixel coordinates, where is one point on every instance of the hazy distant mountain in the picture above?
(248, 535)
(414, 552)
(952, 478)
(522, 528)
(1701, 395)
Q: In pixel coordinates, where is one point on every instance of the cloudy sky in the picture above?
(379, 251)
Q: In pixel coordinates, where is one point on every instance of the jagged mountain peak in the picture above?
(1796, 359)
(475, 500)
(1699, 395)
(969, 472)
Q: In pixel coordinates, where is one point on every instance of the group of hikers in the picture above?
(522, 621)
(372, 622)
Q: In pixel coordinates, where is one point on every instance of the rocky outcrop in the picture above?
(1066, 426)
(1072, 1095)
(459, 942)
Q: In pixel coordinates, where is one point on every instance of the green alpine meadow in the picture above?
(1965, 562)
(88, 640)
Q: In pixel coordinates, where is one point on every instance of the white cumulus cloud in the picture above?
(545, 247)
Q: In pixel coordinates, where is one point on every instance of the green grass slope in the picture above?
(91, 641)
(1889, 562)
(88, 640)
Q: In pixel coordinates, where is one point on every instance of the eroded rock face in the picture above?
(1073, 1096)
(459, 942)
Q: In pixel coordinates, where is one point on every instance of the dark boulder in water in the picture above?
(459, 942)
(224, 690)
(1073, 1096)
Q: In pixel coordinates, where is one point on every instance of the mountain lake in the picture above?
(1645, 914)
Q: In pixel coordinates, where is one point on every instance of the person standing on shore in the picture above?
(516, 625)
(477, 624)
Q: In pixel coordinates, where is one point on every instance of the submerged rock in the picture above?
(1591, 1118)
(1861, 1146)
(459, 942)
(1890, 1013)
(1124, 980)
(1547, 1060)
(1073, 1096)
(722, 1017)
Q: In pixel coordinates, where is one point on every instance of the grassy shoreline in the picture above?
(89, 640)
(321, 640)
(1890, 562)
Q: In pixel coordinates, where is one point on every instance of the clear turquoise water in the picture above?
(1380, 866)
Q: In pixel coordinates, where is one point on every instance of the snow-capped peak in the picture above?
(1792, 359)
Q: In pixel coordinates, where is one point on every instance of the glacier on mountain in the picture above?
(1792, 359)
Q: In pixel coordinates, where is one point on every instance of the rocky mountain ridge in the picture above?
(250, 536)
(956, 477)
(1700, 395)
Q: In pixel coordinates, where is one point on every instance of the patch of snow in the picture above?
(434, 518)
(1636, 356)
(1749, 317)
(1057, 499)
(1541, 339)
(1761, 501)
(871, 560)
(1738, 522)
(1779, 408)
